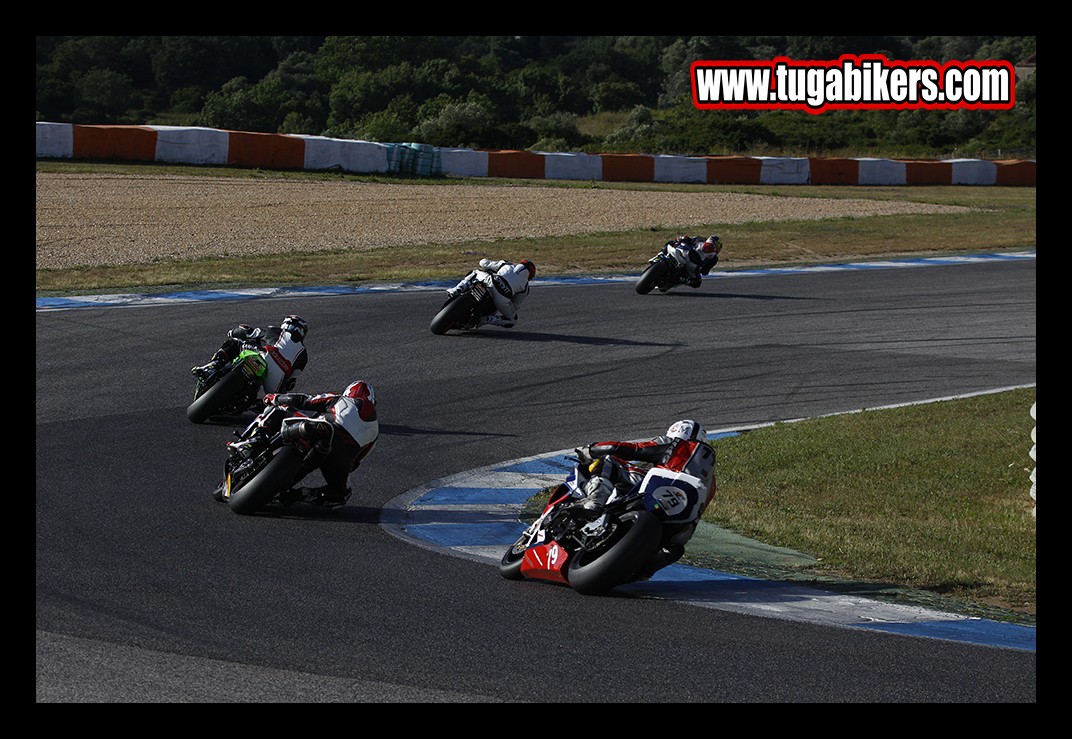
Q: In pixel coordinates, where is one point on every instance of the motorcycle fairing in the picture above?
(672, 496)
(546, 561)
(251, 363)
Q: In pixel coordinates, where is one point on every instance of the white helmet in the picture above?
(687, 430)
(296, 325)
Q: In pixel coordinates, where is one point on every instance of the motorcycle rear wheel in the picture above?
(274, 478)
(636, 541)
(652, 276)
(216, 398)
(453, 313)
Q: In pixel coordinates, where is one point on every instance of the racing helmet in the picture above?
(687, 430)
(364, 397)
(360, 390)
(713, 245)
(297, 327)
(529, 266)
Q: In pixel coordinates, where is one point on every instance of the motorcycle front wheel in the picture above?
(453, 313)
(274, 478)
(510, 564)
(633, 543)
(652, 276)
(216, 398)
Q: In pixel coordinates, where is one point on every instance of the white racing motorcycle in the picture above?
(464, 310)
(666, 269)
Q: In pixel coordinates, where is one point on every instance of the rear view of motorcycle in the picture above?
(229, 387)
(229, 390)
(595, 551)
(262, 467)
(665, 270)
(464, 311)
(682, 261)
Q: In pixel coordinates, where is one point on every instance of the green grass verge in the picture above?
(932, 497)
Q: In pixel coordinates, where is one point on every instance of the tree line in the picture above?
(548, 93)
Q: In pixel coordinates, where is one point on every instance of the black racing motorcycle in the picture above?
(229, 390)
(464, 311)
(264, 466)
(235, 387)
(665, 270)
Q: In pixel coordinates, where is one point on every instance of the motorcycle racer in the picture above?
(683, 448)
(509, 285)
(284, 344)
(703, 255)
(353, 415)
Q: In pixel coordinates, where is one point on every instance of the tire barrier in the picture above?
(206, 146)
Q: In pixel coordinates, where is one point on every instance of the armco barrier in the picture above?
(193, 145)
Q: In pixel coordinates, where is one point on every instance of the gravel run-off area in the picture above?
(96, 220)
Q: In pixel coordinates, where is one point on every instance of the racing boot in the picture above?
(214, 364)
(335, 499)
(249, 448)
(453, 292)
(664, 557)
(324, 496)
(204, 370)
(496, 320)
(597, 491)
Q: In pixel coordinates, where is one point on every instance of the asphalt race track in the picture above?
(148, 591)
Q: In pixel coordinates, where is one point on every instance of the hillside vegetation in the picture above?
(549, 93)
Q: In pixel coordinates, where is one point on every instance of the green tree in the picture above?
(504, 91)
(394, 124)
(457, 124)
(824, 48)
(103, 96)
(240, 106)
(209, 62)
(677, 58)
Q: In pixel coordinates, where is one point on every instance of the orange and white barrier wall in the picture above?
(193, 145)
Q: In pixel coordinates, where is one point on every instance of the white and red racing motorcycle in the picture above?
(595, 551)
